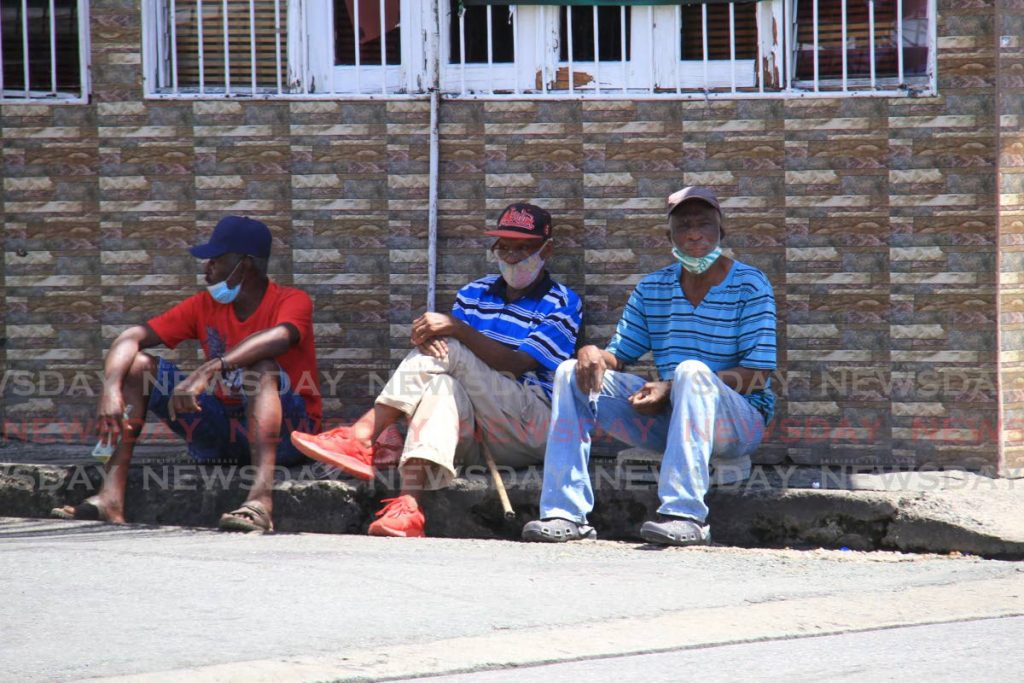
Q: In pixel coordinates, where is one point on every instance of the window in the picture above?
(269, 48)
(719, 38)
(864, 42)
(580, 49)
(42, 50)
(485, 48)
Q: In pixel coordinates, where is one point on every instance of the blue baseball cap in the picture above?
(236, 235)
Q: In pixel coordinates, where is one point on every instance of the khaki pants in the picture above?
(458, 402)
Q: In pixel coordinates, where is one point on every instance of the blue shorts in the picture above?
(219, 433)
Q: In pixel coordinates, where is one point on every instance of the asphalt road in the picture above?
(86, 600)
(983, 650)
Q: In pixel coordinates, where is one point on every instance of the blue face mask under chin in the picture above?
(220, 291)
(697, 264)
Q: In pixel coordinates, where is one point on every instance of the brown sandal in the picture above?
(87, 511)
(250, 516)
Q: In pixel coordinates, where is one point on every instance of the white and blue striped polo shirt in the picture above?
(733, 326)
(544, 322)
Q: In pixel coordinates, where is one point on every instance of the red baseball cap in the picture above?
(523, 221)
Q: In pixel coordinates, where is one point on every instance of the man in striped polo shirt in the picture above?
(709, 322)
(480, 376)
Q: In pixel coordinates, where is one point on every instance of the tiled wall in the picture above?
(876, 219)
(1010, 74)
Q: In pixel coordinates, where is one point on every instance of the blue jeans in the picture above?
(219, 433)
(707, 421)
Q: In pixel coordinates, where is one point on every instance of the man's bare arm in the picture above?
(495, 354)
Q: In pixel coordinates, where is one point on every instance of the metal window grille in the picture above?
(43, 50)
(371, 48)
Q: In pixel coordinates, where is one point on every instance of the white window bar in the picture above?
(871, 40)
(53, 50)
(355, 40)
(252, 43)
(515, 42)
(622, 44)
(787, 44)
(174, 49)
(227, 55)
(704, 41)
(490, 52)
(202, 65)
(846, 68)
(1, 57)
(24, 46)
(547, 52)
(732, 44)
(759, 67)
(678, 51)
(462, 49)
(568, 34)
(597, 52)
(383, 50)
(650, 52)
(277, 44)
(899, 42)
(817, 46)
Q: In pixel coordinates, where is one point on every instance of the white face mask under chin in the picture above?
(520, 275)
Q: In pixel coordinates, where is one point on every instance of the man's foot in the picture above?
(91, 509)
(400, 517)
(557, 530)
(251, 515)
(338, 448)
(676, 531)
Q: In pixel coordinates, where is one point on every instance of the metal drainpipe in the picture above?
(435, 153)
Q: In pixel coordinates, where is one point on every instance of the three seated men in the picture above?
(494, 375)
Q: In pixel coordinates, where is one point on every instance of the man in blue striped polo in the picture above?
(479, 375)
(709, 322)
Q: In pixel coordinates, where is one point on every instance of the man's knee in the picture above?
(692, 369)
(144, 364)
(144, 369)
(565, 374)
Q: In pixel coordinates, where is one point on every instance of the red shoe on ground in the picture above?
(338, 448)
(400, 517)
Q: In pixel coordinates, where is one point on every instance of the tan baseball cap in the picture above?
(703, 194)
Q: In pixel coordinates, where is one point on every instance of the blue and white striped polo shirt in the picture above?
(733, 326)
(544, 322)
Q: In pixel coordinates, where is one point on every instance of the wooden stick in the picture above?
(499, 483)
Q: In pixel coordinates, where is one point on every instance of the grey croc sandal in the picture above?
(676, 531)
(557, 530)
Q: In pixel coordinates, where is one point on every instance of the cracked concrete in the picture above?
(777, 507)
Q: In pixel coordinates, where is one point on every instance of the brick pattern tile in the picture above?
(877, 221)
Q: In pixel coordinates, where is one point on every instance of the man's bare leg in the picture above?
(110, 500)
(374, 421)
(417, 477)
(264, 416)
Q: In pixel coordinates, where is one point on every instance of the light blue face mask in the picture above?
(695, 264)
(220, 291)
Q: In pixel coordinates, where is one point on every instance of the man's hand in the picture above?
(431, 325)
(590, 367)
(110, 415)
(184, 397)
(436, 347)
(652, 398)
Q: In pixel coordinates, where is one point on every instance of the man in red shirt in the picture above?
(261, 367)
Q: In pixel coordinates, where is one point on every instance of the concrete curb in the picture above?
(772, 509)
